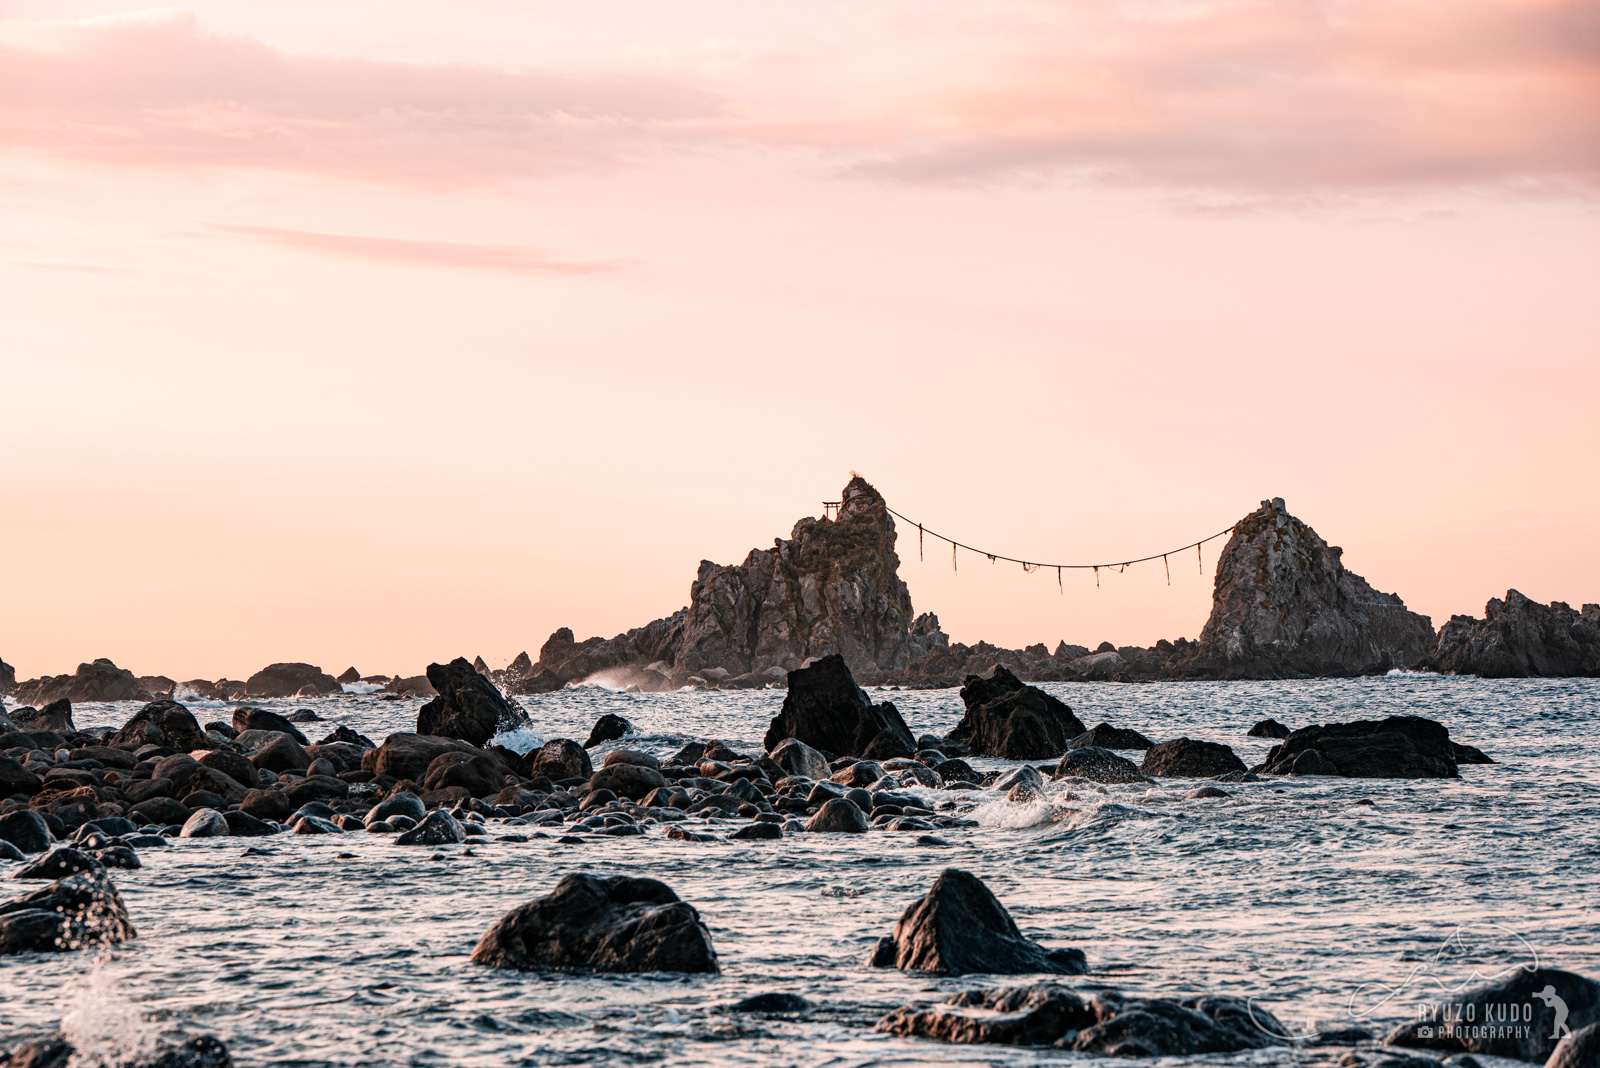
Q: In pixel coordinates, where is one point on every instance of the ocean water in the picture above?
(350, 950)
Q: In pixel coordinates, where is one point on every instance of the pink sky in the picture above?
(409, 330)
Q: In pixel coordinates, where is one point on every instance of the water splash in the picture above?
(519, 740)
(103, 1025)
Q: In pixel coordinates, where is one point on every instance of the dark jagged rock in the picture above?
(1268, 728)
(959, 927)
(1531, 994)
(1469, 754)
(1006, 718)
(469, 706)
(1191, 758)
(608, 728)
(342, 733)
(350, 674)
(98, 681)
(80, 910)
(827, 710)
(1097, 765)
(164, 723)
(1399, 747)
(291, 680)
(1580, 1049)
(437, 828)
(1035, 1015)
(55, 716)
(561, 758)
(602, 923)
(1521, 638)
(1157, 1027)
(260, 719)
(1284, 606)
(1105, 736)
(8, 678)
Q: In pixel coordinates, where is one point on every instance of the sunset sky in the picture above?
(379, 333)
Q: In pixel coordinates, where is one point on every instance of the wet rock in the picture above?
(407, 756)
(283, 753)
(1399, 747)
(201, 1051)
(77, 911)
(959, 927)
(163, 723)
(1469, 754)
(437, 828)
(403, 803)
(561, 758)
(1105, 736)
(55, 716)
(314, 788)
(1203, 792)
(243, 825)
(1579, 1049)
(98, 681)
(603, 923)
(1190, 758)
(825, 709)
(1531, 996)
(291, 680)
(271, 804)
(260, 719)
(1520, 638)
(631, 756)
(957, 770)
(10, 852)
(16, 779)
(469, 706)
(59, 863)
(206, 823)
(344, 734)
(479, 774)
(797, 758)
(772, 1002)
(234, 765)
(1035, 1015)
(608, 728)
(861, 773)
(756, 832)
(163, 811)
(1098, 765)
(839, 815)
(627, 780)
(26, 830)
(1008, 719)
(118, 856)
(1157, 1027)
(111, 758)
(683, 834)
(314, 825)
(1268, 728)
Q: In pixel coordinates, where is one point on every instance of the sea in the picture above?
(1332, 903)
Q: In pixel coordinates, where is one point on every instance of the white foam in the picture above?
(104, 1027)
(360, 687)
(520, 740)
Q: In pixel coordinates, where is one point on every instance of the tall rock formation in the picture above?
(1520, 638)
(1284, 606)
(833, 586)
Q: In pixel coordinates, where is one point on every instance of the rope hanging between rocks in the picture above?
(1031, 566)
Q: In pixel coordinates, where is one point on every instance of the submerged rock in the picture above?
(437, 828)
(1098, 765)
(1536, 998)
(1520, 638)
(771, 1002)
(960, 927)
(1399, 747)
(1008, 719)
(603, 923)
(469, 706)
(200, 1051)
(1191, 758)
(1035, 1015)
(608, 728)
(1157, 1027)
(80, 910)
(825, 709)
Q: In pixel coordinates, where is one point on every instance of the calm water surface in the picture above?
(349, 950)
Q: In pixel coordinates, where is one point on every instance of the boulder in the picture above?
(71, 913)
(631, 756)
(1008, 719)
(827, 710)
(163, 810)
(98, 681)
(1035, 1015)
(959, 927)
(243, 825)
(163, 723)
(283, 753)
(756, 832)
(437, 828)
(407, 756)
(839, 815)
(561, 758)
(260, 719)
(235, 766)
(1528, 995)
(1268, 728)
(26, 830)
(349, 675)
(206, 823)
(413, 686)
(772, 1001)
(59, 863)
(55, 716)
(1579, 1049)
(608, 728)
(403, 803)
(1520, 638)
(1097, 765)
(1399, 747)
(1105, 736)
(797, 758)
(603, 923)
(469, 706)
(1190, 758)
(344, 734)
(1158, 1027)
(272, 804)
(479, 774)
(290, 680)
(627, 780)
(17, 779)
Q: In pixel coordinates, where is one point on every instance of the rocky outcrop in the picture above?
(98, 681)
(1285, 606)
(1006, 718)
(469, 706)
(959, 927)
(1532, 994)
(1400, 747)
(1035, 1015)
(602, 923)
(608, 728)
(164, 723)
(825, 709)
(290, 680)
(1520, 638)
(1190, 758)
(55, 716)
(8, 678)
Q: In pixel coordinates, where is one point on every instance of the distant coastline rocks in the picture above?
(1520, 638)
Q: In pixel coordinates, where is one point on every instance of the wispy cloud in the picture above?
(428, 253)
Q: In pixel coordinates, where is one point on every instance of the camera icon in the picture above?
(1424, 1032)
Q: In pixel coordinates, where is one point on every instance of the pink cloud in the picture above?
(1253, 96)
(430, 253)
